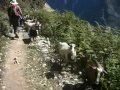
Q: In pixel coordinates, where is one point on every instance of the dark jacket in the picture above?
(14, 13)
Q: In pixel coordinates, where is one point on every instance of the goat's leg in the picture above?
(60, 60)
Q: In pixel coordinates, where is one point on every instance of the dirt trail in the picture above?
(13, 77)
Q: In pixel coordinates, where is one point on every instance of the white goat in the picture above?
(63, 50)
(72, 52)
(28, 24)
(66, 52)
(29, 20)
(32, 22)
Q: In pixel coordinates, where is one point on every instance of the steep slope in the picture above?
(103, 11)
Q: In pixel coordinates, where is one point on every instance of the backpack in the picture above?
(13, 11)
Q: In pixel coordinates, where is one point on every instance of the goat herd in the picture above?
(67, 52)
(92, 70)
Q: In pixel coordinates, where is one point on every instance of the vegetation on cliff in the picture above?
(98, 42)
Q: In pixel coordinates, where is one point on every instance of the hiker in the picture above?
(15, 15)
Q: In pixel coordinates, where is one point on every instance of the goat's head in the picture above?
(38, 25)
(72, 45)
(94, 72)
(99, 71)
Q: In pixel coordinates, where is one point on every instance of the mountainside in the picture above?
(24, 4)
(106, 12)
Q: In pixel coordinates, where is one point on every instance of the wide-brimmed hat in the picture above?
(13, 2)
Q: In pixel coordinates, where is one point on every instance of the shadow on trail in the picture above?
(84, 86)
(26, 40)
(54, 68)
(74, 87)
(50, 75)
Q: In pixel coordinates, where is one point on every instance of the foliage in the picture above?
(102, 44)
(4, 26)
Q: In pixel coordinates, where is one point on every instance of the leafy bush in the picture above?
(102, 44)
(4, 25)
(3, 29)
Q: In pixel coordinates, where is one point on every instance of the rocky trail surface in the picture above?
(32, 66)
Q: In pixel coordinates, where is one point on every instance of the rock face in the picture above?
(113, 9)
(103, 11)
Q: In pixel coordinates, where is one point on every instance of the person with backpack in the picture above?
(15, 15)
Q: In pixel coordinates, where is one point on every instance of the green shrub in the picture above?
(4, 25)
(102, 44)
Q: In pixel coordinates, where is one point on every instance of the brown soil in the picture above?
(13, 77)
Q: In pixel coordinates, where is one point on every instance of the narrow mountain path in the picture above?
(33, 66)
(13, 77)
